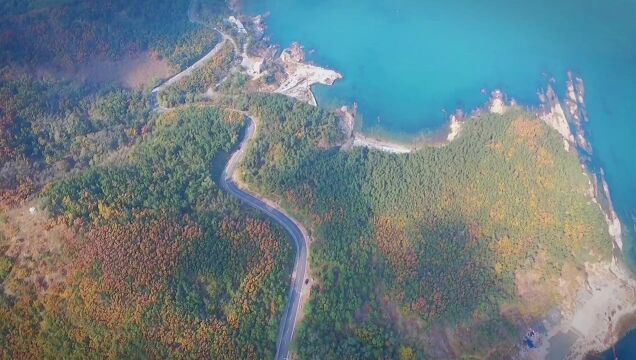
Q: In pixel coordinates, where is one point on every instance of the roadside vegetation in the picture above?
(49, 127)
(446, 251)
(115, 239)
(189, 89)
(161, 262)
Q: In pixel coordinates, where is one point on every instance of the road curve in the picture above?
(295, 229)
(185, 73)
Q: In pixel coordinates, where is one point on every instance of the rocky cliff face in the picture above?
(591, 318)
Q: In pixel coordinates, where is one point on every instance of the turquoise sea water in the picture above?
(406, 61)
(624, 350)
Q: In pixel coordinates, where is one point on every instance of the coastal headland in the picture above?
(224, 196)
(592, 316)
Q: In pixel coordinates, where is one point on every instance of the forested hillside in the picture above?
(51, 122)
(210, 74)
(155, 259)
(66, 33)
(49, 126)
(446, 251)
(115, 239)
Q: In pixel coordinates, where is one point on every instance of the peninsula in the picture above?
(220, 212)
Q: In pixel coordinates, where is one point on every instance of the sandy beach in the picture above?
(379, 144)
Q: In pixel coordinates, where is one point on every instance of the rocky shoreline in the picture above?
(596, 318)
(270, 69)
(587, 323)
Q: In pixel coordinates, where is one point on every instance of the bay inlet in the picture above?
(409, 64)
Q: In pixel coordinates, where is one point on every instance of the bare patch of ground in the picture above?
(136, 71)
(304, 299)
(531, 288)
(601, 313)
(301, 76)
(35, 243)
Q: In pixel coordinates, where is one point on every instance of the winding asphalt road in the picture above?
(185, 73)
(295, 229)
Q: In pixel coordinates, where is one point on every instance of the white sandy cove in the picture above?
(455, 124)
(361, 140)
(554, 118)
(378, 144)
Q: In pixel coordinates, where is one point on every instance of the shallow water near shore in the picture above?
(408, 64)
(626, 349)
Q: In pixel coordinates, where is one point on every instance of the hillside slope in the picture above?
(446, 251)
